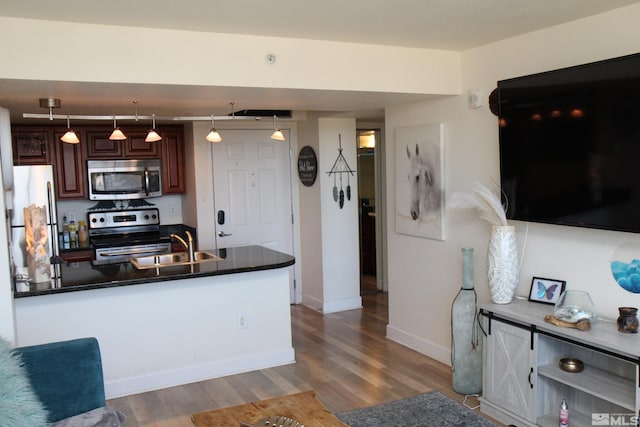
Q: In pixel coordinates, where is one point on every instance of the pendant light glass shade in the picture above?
(117, 134)
(153, 135)
(213, 135)
(277, 133)
(70, 136)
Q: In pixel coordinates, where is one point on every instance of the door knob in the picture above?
(223, 234)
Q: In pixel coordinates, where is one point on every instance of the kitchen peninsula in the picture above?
(161, 327)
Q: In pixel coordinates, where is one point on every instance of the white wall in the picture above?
(340, 237)
(189, 58)
(311, 244)
(424, 275)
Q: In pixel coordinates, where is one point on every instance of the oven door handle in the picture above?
(144, 251)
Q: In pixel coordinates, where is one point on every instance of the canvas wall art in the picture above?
(419, 181)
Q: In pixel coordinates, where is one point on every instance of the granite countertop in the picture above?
(82, 276)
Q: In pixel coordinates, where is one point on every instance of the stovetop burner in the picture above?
(119, 205)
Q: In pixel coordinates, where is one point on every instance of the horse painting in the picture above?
(419, 157)
(424, 185)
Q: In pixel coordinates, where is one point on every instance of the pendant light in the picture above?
(117, 134)
(213, 135)
(277, 133)
(153, 135)
(70, 136)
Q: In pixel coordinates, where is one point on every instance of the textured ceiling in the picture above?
(434, 24)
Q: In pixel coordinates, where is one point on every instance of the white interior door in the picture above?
(252, 192)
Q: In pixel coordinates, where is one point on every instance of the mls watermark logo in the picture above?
(606, 419)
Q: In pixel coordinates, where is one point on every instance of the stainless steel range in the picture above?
(117, 236)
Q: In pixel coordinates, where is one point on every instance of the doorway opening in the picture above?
(368, 189)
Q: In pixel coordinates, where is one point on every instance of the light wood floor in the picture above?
(344, 357)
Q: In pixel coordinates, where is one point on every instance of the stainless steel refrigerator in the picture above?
(33, 185)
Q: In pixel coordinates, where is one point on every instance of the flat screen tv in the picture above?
(570, 145)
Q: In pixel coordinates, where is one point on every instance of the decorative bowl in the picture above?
(574, 306)
(274, 421)
(570, 364)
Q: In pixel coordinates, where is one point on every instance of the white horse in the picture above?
(424, 186)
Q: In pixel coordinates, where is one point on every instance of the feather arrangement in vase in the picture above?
(502, 254)
(486, 202)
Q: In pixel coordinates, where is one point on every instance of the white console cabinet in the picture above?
(524, 385)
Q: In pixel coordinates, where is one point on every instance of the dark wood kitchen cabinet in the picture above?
(70, 169)
(31, 146)
(136, 147)
(99, 146)
(38, 145)
(173, 176)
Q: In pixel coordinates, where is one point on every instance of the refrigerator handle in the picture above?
(55, 259)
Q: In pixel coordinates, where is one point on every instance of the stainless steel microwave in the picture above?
(124, 179)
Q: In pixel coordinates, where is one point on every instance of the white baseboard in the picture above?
(428, 348)
(190, 374)
(333, 306)
(312, 302)
(342, 305)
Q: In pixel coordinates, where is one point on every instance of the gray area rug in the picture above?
(429, 409)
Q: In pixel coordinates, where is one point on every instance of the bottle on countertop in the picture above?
(564, 413)
(82, 232)
(66, 243)
(73, 234)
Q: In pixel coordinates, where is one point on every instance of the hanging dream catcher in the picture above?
(341, 167)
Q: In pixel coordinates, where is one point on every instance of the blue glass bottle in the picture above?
(466, 343)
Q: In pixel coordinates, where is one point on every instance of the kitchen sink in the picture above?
(172, 259)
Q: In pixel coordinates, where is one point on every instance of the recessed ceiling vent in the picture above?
(286, 114)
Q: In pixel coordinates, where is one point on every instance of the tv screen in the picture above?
(570, 145)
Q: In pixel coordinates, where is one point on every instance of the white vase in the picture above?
(502, 264)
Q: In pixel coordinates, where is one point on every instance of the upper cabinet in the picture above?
(99, 146)
(31, 146)
(36, 145)
(135, 147)
(70, 169)
(173, 181)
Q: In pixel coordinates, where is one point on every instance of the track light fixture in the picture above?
(117, 134)
(50, 103)
(213, 135)
(153, 135)
(277, 133)
(70, 136)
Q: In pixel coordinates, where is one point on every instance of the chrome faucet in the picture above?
(188, 246)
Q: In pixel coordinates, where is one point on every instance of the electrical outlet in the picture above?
(242, 321)
(173, 211)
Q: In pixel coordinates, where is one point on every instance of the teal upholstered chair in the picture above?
(66, 376)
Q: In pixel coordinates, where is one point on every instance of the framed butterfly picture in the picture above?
(547, 291)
